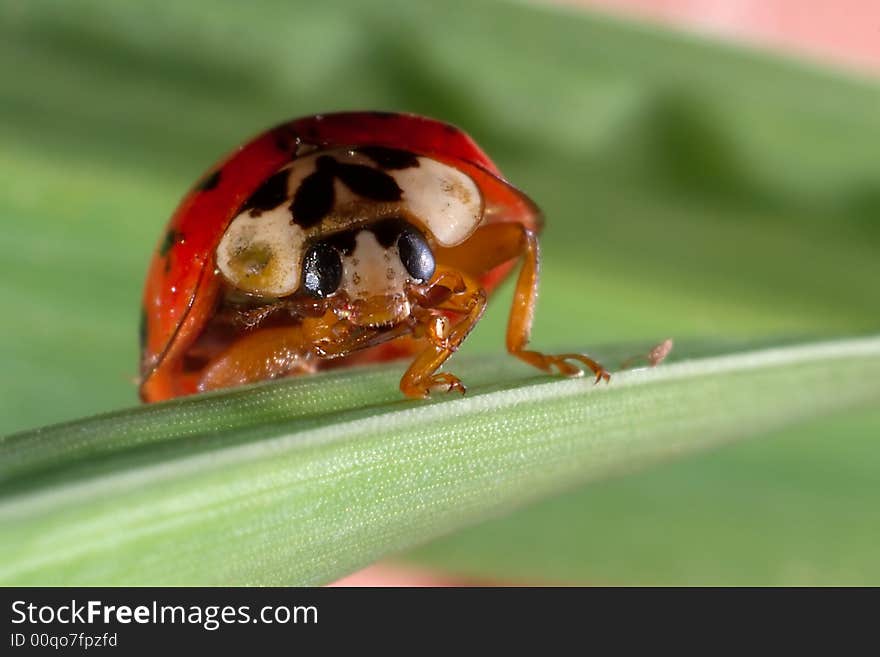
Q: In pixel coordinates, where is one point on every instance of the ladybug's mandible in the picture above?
(334, 239)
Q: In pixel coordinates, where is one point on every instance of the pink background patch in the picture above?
(841, 32)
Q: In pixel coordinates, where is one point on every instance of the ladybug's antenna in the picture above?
(656, 355)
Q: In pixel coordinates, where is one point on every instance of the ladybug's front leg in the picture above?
(454, 292)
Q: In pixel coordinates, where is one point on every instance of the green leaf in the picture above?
(797, 508)
(302, 481)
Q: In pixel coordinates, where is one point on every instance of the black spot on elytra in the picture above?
(313, 199)
(379, 114)
(390, 158)
(208, 183)
(142, 330)
(271, 194)
(286, 139)
(171, 238)
(388, 230)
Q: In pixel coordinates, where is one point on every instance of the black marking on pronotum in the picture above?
(390, 158)
(313, 199)
(314, 196)
(209, 182)
(271, 194)
(366, 181)
(388, 230)
(344, 242)
(170, 239)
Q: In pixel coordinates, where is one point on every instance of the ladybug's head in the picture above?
(372, 266)
(353, 226)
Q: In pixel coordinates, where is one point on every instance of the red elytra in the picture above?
(182, 285)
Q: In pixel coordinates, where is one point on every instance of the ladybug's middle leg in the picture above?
(519, 326)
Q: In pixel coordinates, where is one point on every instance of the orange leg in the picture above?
(465, 297)
(495, 244)
(264, 354)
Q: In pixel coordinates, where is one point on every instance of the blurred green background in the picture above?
(691, 190)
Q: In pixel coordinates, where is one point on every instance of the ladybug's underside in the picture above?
(353, 252)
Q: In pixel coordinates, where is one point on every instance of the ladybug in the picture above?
(336, 239)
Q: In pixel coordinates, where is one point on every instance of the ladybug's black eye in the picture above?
(415, 254)
(322, 270)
